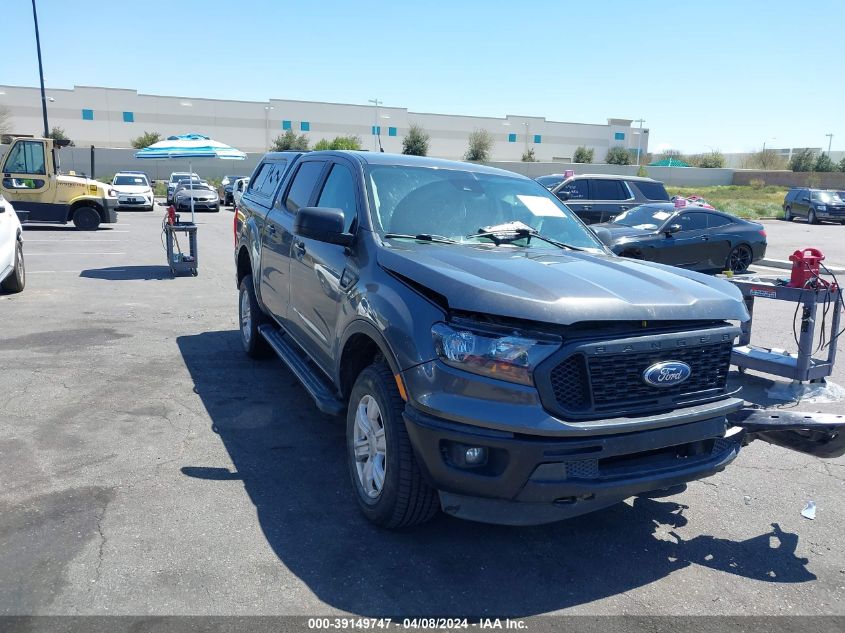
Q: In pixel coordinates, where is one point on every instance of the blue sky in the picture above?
(715, 73)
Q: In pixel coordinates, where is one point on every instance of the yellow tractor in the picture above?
(34, 186)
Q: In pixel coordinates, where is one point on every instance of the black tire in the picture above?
(253, 343)
(787, 214)
(405, 498)
(86, 219)
(17, 280)
(739, 259)
(811, 217)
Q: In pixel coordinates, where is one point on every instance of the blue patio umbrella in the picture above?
(190, 147)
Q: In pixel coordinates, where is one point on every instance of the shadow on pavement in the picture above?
(125, 273)
(291, 459)
(60, 227)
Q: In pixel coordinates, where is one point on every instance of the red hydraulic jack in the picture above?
(805, 269)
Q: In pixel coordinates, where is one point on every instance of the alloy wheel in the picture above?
(370, 447)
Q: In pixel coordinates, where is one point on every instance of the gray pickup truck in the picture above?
(492, 358)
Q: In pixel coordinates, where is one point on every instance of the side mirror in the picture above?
(563, 195)
(805, 199)
(672, 228)
(605, 236)
(322, 224)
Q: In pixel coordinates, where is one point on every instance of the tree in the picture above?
(674, 154)
(479, 145)
(289, 141)
(145, 140)
(528, 156)
(642, 172)
(842, 165)
(5, 121)
(339, 142)
(416, 142)
(583, 154)
(712, 160)
(824, 163)
(766, 159)
(803, 160)
(618, 156)
(58, 134)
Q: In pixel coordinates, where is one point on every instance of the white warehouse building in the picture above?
(111, 117)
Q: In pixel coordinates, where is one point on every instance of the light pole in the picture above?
(40, 71)
(267, 109)
(376, 139)
(829, 142)
(639, 139)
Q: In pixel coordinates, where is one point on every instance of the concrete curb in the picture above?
(787, 265)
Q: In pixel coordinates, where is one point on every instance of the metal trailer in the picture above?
(181, 261)
(799, 366)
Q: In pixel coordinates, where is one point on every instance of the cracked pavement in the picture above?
(150, 468)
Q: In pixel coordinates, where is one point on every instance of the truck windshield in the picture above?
(454, 204)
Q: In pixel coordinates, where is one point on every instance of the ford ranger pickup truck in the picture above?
(491, 357)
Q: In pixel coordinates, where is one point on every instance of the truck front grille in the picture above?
(598, 385)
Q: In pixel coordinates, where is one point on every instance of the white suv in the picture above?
(133, 190)
(12, 272)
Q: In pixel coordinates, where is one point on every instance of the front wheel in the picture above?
(389, 486)
(250, 316)
(812, 219)
(739, 259)
(787, 214)
(17, 280)
(86, 219)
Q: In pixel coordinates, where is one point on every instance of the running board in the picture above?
(318, 387)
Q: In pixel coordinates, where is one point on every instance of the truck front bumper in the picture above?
(110, 206)
(528, 480)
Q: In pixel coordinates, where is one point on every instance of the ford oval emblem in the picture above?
(667, 374)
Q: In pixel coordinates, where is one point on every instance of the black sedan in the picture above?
(690, 237)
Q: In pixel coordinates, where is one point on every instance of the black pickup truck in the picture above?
(492, 358)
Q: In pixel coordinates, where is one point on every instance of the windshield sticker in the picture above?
(661, 215)
(540, 206)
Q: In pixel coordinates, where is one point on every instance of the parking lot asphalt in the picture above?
(786, 237)
(150, 467)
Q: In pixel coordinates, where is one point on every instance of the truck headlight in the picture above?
(112, 193)
(821, 207)
(509, 356)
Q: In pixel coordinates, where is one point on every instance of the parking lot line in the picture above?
(66, 241)
(30, 254)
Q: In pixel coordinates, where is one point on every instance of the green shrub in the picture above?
(58, 134)
(479, 145)
(712, 160)
(642, 172)
(756, 183)
(803, 160)
(145, 140)
(618, 156)
(339, 142)
(289, 141)
(416, 142)
(528, 156)
(583, 154)
(824, 163)
(842, 165)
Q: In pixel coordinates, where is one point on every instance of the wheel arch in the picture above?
(361, 344)
(85, 202)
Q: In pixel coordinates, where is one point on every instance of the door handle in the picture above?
(299, 247)
(623, 208)
(704, 238)
(271, 229)
(587, 207)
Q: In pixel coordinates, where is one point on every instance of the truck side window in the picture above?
(577, 190)
(339, 193)
(303, 185)
(26, 157)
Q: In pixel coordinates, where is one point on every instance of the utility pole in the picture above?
(829, 142)
(40, 71)
(639, 139)
(267, 126)
(376, 139)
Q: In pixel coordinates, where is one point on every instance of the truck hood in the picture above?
(561, 287)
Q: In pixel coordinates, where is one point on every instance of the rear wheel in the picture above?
(86, 219)
(812, 219)
(389, 486)
(250, 316)
(787, 214)
(739, 259)
(17, 280)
